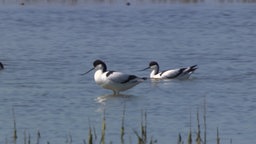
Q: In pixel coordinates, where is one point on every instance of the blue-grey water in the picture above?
(46, 48)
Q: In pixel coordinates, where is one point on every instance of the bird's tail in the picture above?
(190, 70)
(193, 68)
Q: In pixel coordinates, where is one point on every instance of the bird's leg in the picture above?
(114, 92)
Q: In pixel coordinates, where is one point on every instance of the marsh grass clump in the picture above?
(14, 126)
(179, 140)
(122, 126)
(90, 136)
(103, 129)
(198, 137)
(142, 138)
(141, 134)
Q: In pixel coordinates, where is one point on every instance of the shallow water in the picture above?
(45, 49)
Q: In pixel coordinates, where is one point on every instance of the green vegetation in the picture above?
(141, 135)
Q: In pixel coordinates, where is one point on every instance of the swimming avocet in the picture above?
(115, 81)
(1, 66)
(179, 73)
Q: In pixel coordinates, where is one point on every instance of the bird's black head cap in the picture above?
(100, 62)
(152, 63)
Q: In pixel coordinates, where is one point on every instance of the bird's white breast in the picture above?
(99, 77)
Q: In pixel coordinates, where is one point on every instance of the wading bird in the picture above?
(179, 73)
(112, 80)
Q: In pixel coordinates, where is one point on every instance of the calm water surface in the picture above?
(45, 49)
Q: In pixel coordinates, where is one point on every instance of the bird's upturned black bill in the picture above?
(145, 68)
(88, 71)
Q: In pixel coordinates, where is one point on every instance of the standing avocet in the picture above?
(179, 73)
(1, 66)
(115, 81)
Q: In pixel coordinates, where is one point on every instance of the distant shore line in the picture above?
(126, 2)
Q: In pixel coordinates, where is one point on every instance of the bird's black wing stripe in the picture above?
(162, 72)
(109, 73)
(179, 73)
(131, 77)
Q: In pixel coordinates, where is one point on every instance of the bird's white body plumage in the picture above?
(179, 73)
(112, 80)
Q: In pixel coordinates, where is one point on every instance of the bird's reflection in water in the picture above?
(156, 82)
(102, 100)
